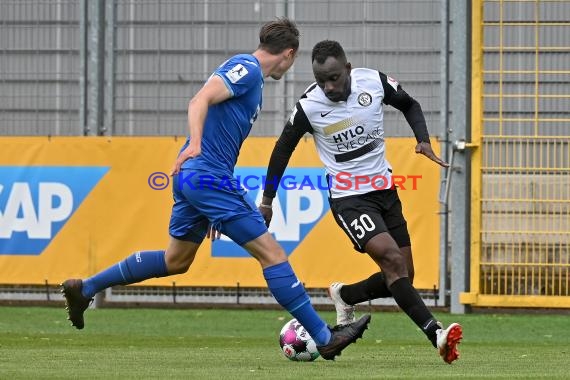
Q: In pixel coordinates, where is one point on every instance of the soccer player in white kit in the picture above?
(343, 110)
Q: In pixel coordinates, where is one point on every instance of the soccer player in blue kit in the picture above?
(220, 117)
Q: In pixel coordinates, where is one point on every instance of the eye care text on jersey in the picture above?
(342, 181)
(354, 138)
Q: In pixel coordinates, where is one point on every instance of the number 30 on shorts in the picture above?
(362, 224)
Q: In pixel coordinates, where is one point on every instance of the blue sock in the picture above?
(291, 294)
(135, 268)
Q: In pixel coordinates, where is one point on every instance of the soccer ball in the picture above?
(296, 343)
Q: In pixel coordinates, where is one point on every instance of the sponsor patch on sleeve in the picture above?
(293, 113)
(236, 73)
(393, 82)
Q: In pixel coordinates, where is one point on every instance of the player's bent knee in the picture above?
(393, 264)
(266, 250)
(177, 267)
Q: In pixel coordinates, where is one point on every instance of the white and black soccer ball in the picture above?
(296, 343)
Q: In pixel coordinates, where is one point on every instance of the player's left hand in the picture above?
(192, 150)
(267, 214)
(425, 149)
(212, 233)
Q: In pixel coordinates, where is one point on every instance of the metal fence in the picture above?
(129, 67)
(126, 67)
(521, 172)
(39, 67)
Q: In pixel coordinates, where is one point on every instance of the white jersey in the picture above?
(349, 135)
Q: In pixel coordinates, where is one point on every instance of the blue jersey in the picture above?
(228, 123)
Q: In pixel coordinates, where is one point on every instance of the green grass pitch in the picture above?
(38, 343)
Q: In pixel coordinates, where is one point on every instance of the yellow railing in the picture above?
(520, 199)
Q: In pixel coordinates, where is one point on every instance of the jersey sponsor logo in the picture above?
(236, 73)
(364, 99)
(296, 211)
(36, 202)
(348, 134)
(323, 114)
(393, 82)
(341, 125)
(359, 152)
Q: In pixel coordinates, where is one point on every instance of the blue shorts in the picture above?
(202, 199)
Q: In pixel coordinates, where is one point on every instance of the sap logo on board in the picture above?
(37, 201)
(301, 202)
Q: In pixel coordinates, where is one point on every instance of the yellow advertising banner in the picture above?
(72, 206)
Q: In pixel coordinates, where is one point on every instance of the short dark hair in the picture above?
(325, 49)
(278, 35)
